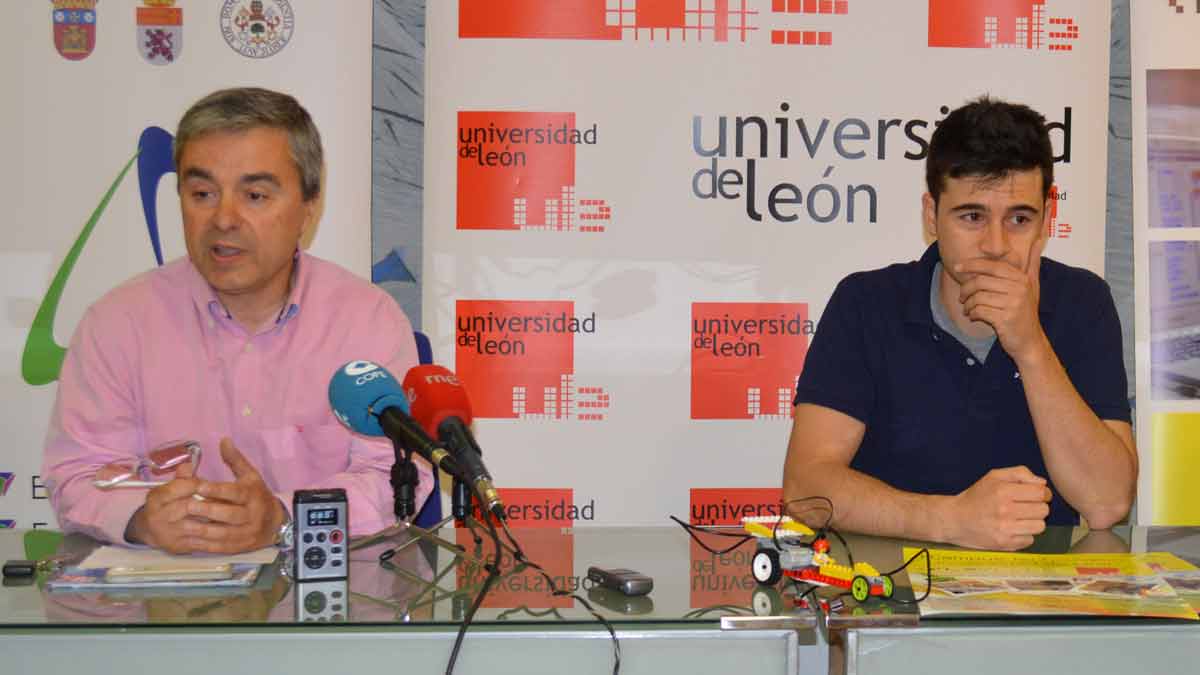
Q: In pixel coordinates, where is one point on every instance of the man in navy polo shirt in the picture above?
(978, 394)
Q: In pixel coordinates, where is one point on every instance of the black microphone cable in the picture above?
(519, 556)
(493, 570)
(928, 575)
(693, 529)
(827, 504)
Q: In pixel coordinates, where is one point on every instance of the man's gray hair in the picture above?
(242, 109)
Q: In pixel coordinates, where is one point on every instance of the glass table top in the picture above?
(423, 582)
(433, 581)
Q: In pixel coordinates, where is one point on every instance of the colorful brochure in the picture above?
(989, 583)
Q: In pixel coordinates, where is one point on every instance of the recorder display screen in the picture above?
(318, 517)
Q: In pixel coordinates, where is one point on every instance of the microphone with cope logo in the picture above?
(368, 400)
(440, 405)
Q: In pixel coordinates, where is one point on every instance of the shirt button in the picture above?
(211, 323)
(246, 411)
(249, 348)
(970, 361)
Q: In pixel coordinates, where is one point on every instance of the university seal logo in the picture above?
(159, 31)
(74, 28)
(257, 28)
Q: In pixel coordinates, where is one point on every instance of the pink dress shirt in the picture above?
(159, 359)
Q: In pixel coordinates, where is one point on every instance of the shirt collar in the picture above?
(917, 309)
(205, 297)
(297, 286)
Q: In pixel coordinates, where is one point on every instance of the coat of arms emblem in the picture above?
(159, 31)
(257, 28)
(74, 27)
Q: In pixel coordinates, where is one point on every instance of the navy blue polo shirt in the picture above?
(937, 419)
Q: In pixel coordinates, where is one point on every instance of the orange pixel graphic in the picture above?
(704, 21)
(562, 402)
(999, 24)
(667, 20)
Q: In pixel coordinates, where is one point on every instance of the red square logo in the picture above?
(724, 579)
(511, 166)
(554, 19)
(985, 23)
(727, 506)
(517, 357)
(746, 357)
(721, 579)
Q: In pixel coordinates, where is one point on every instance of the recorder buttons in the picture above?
(314, 558)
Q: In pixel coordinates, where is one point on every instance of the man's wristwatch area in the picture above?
(285, 537)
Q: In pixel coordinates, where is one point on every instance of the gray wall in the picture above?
(397, 147)
(1118, 230)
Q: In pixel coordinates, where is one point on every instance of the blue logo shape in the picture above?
(7, 523)
(154, 161)
(392, 267)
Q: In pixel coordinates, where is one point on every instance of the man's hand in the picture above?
(160, 521)
(241, 516)
(1002, 510)
(1005, 298)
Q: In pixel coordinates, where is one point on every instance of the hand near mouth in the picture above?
(1006, 298)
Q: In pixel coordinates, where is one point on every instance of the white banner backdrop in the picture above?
(635, 213)
(83, 80)
(1165, 67)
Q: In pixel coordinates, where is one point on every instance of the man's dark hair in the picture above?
(989, 138)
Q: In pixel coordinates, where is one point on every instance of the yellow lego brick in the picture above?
(865, 569)
(763, 527)
(837, 571)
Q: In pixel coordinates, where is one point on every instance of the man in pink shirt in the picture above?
(232, 347)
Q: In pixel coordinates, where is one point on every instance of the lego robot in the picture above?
(785, 550)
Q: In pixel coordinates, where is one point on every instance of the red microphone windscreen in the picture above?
(435, 393)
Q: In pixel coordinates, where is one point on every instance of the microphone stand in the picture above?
(462, 499)
(404, 479)
(461, 514)
(404, 485)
